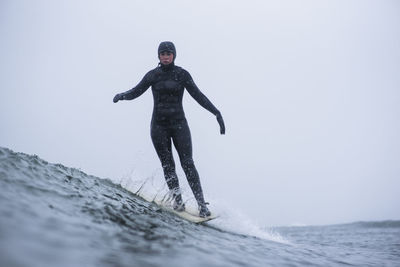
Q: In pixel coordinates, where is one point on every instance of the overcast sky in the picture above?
(309, 91)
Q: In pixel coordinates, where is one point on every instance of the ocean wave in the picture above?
(53, 215)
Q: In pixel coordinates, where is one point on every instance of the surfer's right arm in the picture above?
(136, 91)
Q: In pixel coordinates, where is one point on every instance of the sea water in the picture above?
(52, 215)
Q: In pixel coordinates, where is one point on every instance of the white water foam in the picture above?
(233, 220)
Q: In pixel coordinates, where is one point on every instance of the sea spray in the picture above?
(229, 218)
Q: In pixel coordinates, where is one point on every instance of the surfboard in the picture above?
(186, 214)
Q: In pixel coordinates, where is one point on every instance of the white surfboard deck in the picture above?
(195, 218)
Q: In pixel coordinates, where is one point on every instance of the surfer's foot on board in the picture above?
(178, 207)
(178, 204)
(203, 211)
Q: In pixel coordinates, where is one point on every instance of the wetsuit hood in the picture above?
(167, 46)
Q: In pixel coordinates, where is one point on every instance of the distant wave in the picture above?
(361, 224)
(378, 224)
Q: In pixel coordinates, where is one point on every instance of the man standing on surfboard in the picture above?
(168, 122)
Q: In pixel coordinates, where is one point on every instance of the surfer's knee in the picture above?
(167, 161)
(187, 164)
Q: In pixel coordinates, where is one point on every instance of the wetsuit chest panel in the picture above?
(168, 93)
(168, 87)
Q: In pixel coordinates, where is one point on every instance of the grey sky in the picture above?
(309, 91)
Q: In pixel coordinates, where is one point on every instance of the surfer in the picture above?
(168, 123)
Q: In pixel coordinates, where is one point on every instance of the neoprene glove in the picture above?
(118, 97)
(221, 123)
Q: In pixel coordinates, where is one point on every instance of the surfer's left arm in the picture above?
(195, 92)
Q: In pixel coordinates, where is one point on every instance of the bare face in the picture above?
(166, 58)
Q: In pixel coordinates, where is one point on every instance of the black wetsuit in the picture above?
(169, 123)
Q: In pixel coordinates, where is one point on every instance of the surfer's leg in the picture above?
(183, 144)
(162, 143)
